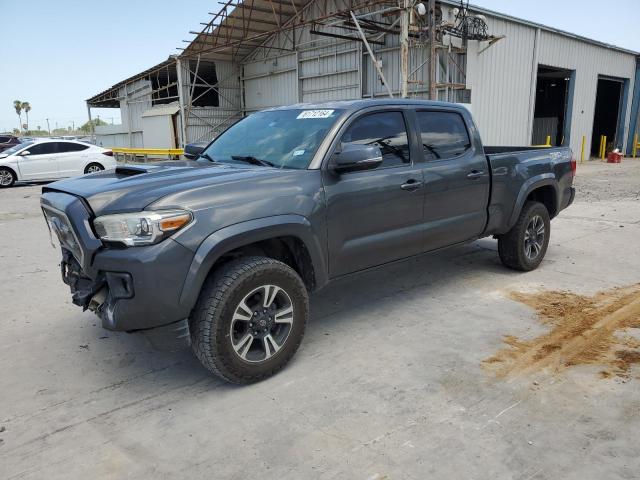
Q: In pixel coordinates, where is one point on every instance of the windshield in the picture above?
(281, 138)
(16, 148)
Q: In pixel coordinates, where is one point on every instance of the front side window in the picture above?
(444, 135)
(43, 148)
(279, 138)
(386, 130)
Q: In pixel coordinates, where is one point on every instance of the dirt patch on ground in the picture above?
(583, 330)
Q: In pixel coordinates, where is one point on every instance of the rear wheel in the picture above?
(250, 319)
(525, 245)
(7, 178)
(93, 168)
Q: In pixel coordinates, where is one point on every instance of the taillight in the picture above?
(574, 166)
(108, 153)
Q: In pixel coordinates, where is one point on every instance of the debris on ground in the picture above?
(583, 330)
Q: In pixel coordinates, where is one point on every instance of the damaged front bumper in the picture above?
(130, 289)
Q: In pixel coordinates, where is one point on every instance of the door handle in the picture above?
(475, 174)
(411, 185)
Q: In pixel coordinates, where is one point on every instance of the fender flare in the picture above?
(245, 233)
(542, 180)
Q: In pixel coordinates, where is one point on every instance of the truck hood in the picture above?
(133, 187)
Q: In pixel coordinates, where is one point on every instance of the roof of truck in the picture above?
(364, 103)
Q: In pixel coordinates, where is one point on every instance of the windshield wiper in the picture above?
(252, 160)
(207, 156)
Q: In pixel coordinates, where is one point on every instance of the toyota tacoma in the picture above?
(221, 253)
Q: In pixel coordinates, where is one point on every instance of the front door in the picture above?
(41, 163)
(375, 216)
(456, 177)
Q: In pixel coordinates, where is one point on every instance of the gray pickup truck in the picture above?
(221, 253)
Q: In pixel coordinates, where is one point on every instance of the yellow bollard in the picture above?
(600, 147)
(584, 139)
(604, 146)
(548, 144)
(635, 145)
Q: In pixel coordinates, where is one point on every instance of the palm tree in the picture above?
(17, 104)
(26, 106)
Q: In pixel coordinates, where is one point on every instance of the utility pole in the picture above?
(432, 50)
(48, 128)
(404, 49)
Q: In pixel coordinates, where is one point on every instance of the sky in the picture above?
(57, 54)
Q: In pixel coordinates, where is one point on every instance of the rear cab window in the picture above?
(443, 134)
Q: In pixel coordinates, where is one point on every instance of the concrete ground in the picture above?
(388, 383)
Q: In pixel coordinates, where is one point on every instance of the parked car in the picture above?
(8, 141)
(222, 253)
(193, 150)
(51, 160)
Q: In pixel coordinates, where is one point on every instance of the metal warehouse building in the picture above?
(524, 82)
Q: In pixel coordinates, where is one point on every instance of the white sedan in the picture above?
(51, 160)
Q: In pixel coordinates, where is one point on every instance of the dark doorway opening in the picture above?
(552, 114)
(607, 114)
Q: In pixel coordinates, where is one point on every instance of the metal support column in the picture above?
(93, 130)
(432, 50)
(183, 119)
(404, 50)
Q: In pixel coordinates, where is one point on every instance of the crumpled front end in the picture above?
(130, 289)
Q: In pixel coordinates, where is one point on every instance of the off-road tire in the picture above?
(5, 173)
(210, 321)
(94, 164)
(511, 245)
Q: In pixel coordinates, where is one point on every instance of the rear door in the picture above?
(72, 158)
(375, 216)
(456, 176)
(41, 163)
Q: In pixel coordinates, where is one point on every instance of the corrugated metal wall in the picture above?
(270, 82)
(502, 81)
(330, 73)
(589, 61)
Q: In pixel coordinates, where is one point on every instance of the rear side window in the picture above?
(444, 135)
(4, 139)
(387, 130)
(43, 148)
(64, 147)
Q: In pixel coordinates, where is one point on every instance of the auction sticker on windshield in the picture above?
(315, 114)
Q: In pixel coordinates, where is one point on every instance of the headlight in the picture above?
(141, 228)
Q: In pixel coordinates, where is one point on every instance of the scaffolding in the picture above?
(208, 79)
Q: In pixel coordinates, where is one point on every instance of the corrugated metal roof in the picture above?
(108, 98)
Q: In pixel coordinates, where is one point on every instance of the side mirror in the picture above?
(354, 157)
(24, 153)
(192, 150)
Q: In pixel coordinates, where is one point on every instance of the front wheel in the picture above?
(525, 245)
(7, 178)
(250, 319)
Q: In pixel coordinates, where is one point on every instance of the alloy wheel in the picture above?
(261, 323)
(6, 178)
(534, 237)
